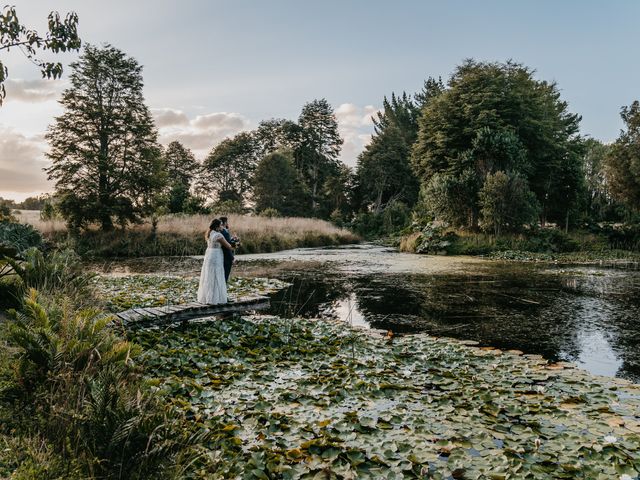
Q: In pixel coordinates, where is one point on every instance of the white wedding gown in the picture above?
(213, 288)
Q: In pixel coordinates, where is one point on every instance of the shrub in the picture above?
(270, 213)
(74, 383)
(506, 203)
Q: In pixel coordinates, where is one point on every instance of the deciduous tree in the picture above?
(229, 168)
(106, 160)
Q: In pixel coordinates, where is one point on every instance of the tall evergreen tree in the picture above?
(317, 153)
(182, 168)
(384, 173)
(106, 160)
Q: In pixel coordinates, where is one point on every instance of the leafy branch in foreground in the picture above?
(61, 37)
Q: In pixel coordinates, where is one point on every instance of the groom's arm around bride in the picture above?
(228, 253)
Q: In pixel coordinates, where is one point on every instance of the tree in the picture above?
(453, 198)
(229, 168)
(180, 163)
(316, 155)
(622, 164)
(106, 160)
(430, 90)
(181, 168)
(276, 134)
(508, 100)
(62, 36)
(598, 203)
(383, 171)
(506, 203)
(278, 186)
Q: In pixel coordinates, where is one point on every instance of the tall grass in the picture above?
(184, 235)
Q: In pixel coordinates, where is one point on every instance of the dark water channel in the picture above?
(585, 314)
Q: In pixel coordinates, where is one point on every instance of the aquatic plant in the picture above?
(312, 399)
(139, 291)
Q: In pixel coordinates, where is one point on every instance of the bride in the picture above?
(213, 288)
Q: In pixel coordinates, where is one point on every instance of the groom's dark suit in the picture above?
(228, 254)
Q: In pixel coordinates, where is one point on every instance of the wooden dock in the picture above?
(190, 311)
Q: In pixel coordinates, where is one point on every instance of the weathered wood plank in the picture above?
(191, 311)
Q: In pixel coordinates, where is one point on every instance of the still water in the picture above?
(589, 315)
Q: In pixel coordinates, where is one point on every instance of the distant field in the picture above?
(184, 235)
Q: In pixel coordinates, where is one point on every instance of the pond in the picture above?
(589, 315)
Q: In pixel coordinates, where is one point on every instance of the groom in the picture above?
(228, 254)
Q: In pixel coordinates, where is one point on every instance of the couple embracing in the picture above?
(217, 262)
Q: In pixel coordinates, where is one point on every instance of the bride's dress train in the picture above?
(213, 288)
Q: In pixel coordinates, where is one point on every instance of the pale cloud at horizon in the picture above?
(355, 126)
(33, 91)
(22, 153)
(21, 165)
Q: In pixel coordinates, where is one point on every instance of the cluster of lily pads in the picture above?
(305, 399)
(141, 291)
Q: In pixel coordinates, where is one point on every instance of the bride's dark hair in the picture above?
(215, 223)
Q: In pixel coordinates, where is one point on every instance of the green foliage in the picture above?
(395, 217)
(453, 199)
(181, 168)
(383, 172)
(59, 272)
(598, 204)
(75, 384)
(269, 213)
(507, 204)
(6, 210)
(307, 399)
(49, 211)
(105, 157)
(277, 185)
(228, 207)
(434, 239)
(497, 116)
(623, 160)
(16, 238)
(316, 155)
(62, 36)
(229, 168)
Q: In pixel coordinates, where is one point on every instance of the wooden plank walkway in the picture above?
(190, 311)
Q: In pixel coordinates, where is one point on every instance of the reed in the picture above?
(184, 235)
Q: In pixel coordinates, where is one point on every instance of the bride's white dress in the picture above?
(213, 288)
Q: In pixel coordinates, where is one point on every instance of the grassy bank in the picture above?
(540, 245)
(184, 235)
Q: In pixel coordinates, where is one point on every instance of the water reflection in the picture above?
(585, 315)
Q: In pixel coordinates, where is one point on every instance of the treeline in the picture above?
(110, 169)
(492, 149)
(496, 149)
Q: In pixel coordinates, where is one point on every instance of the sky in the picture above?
(213, 68)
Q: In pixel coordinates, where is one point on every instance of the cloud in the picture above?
(21, 163)
(33, 91)
(355, 126)
(167, 117)
(203, 132)
(221, 120)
